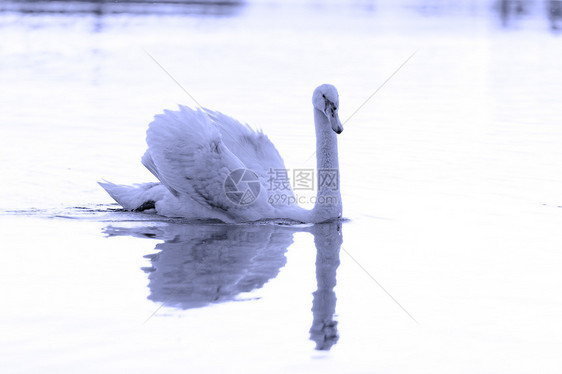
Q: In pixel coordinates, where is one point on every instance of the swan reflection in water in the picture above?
(202, 264)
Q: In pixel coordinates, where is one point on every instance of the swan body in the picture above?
(202, 158)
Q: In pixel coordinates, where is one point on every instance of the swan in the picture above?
(212, 167)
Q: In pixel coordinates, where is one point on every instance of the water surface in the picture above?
(450, 174)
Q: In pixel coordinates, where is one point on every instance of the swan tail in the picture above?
(138, 197)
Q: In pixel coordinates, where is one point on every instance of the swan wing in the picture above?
(187, 154)
(252, 147)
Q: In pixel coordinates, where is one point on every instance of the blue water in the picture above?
(450, 173)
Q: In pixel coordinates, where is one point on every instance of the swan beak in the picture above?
(336, 124)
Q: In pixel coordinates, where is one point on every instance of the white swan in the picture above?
(211, 166)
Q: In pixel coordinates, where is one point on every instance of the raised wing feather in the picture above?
(252, 147)
(187, 154)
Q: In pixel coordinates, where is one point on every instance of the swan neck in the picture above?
(328, 198)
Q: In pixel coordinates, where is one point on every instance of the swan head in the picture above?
(325, 98)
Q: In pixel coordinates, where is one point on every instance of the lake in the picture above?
(451, 176)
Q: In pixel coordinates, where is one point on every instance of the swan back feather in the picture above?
(188, 153)
(252, 147)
